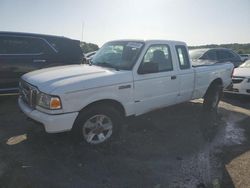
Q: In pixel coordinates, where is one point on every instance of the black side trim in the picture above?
(124, 87)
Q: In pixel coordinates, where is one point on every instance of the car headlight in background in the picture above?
(48, 101)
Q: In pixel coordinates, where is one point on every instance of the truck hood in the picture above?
(71, 78)
(244, 72)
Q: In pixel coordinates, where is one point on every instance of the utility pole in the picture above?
(82, 29)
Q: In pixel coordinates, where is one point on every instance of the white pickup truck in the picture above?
(125, 78)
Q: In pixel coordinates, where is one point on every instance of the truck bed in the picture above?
(207, 72)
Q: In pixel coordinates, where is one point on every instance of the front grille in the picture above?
(28, 93)
(237, 79)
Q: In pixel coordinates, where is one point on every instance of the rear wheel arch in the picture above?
(213, 95)
(216, 82)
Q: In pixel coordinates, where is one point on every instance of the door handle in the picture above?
(39, 60)
(173, 77)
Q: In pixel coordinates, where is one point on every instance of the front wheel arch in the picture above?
(107, 102)
(98, 110)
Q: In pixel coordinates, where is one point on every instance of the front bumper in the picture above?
(52, 123)
(241, 88)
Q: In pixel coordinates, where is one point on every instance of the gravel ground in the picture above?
(179, 146)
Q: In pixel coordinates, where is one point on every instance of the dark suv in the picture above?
(24, 52)
(219, 55)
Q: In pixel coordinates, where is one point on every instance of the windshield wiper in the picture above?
(105, 64)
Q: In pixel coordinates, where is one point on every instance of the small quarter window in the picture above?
(182, 57)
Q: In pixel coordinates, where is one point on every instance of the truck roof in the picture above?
(152, 41)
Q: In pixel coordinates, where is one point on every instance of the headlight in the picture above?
(48, 101)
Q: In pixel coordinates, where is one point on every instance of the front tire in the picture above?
(98, 124)
(212, 98)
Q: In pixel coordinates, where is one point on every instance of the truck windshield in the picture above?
(118, 55)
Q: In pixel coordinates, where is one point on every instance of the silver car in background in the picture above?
(219, 55)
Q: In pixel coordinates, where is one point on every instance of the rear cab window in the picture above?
(183, 58)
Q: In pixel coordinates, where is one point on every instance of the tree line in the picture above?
(88, 47)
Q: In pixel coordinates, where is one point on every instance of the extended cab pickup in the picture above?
(125, 78)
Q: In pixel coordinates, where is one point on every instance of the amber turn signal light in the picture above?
(55, 103)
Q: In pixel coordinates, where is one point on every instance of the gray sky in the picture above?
(193, 21)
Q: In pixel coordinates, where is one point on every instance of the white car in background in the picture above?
(241, 80)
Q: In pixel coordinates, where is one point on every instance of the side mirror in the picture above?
(146, 68)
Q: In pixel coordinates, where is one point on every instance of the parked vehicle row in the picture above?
(24, 52)
(125, 78)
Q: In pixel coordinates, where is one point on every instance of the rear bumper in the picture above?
(52, 123)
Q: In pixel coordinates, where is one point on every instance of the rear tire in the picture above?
(212, 98)
(98, 124)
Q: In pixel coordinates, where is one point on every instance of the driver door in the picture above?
(156, 83)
